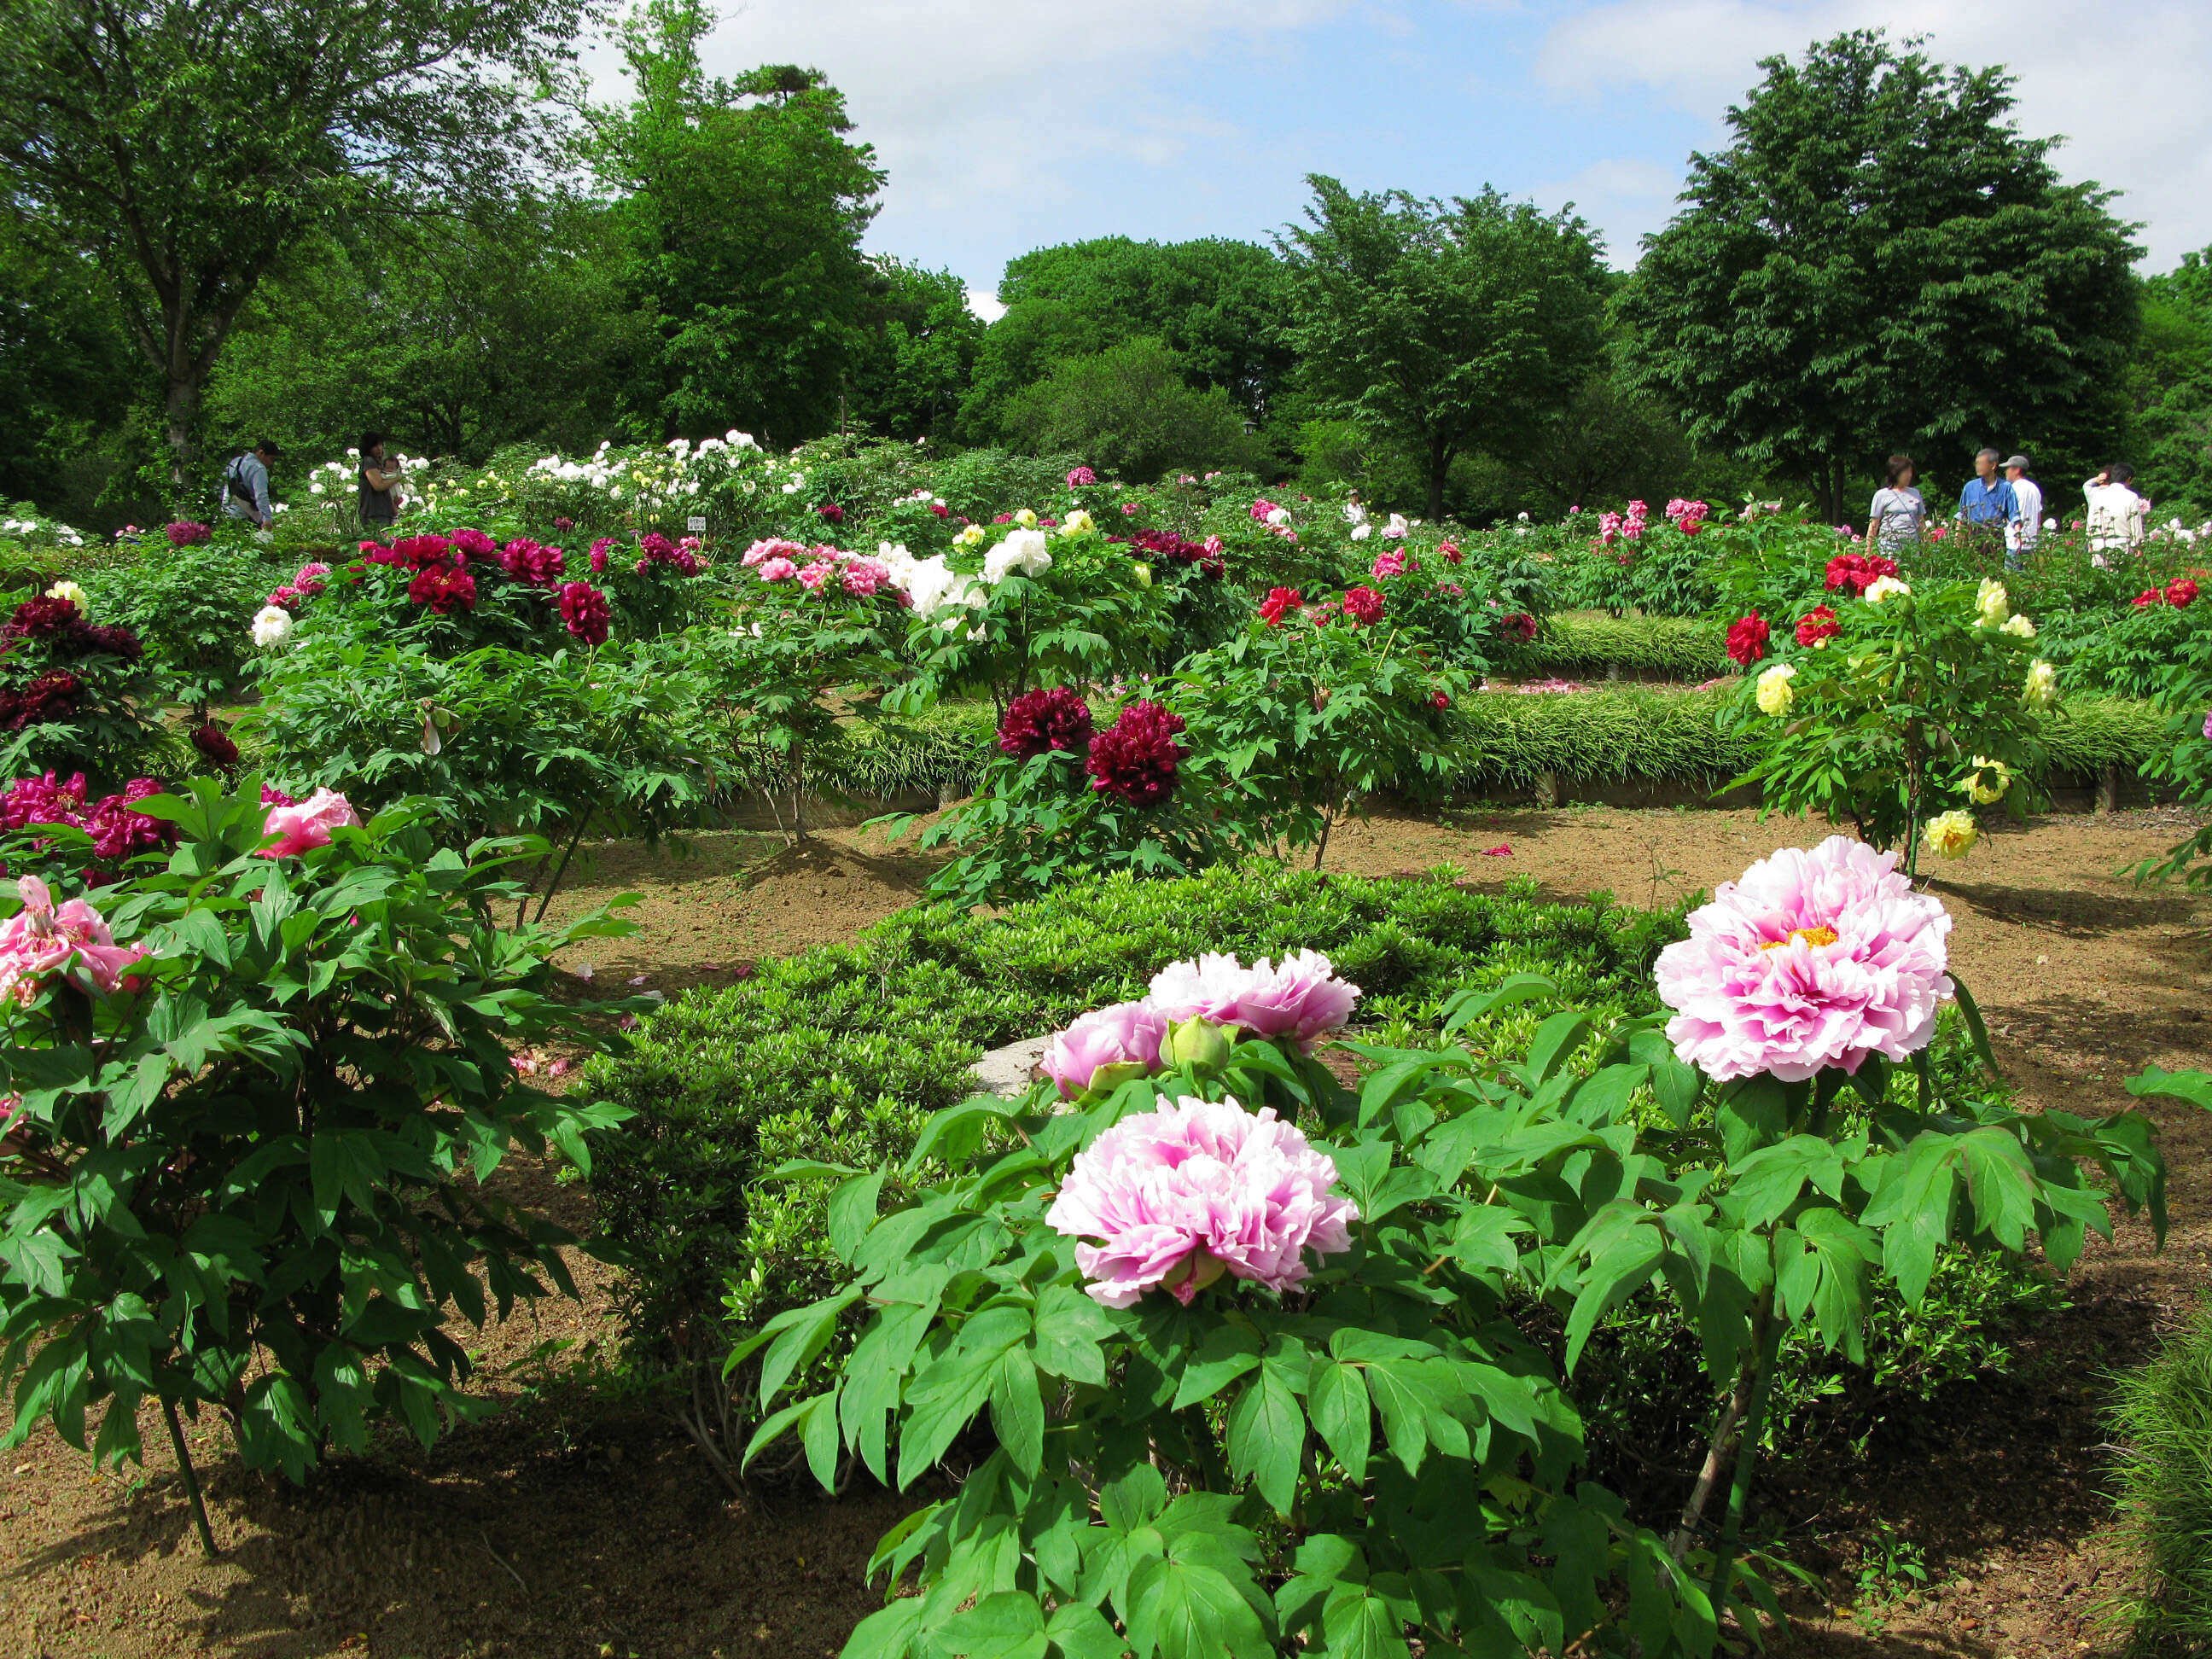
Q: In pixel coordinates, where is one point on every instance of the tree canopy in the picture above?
(1880, 259)
(1448, 325)
(182, 146)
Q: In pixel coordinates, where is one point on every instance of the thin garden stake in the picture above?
(191, 1478)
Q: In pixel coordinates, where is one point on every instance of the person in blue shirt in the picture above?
(245, 485)
(1986, 503)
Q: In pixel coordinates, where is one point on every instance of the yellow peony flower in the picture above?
(2019, 628)
(1986, 784)
(1026, 519)
(1077, 523)
(1775, 692)
(1991, 604)
(70, 591)
(1882, 586)
(971, 537)
(1952, 834)
(2041, 690)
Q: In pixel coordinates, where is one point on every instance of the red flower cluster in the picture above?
(116, 832)
(598, 556)
(1363, 605)
(1166, 544)
(59, 624)
(2178, 591)
(585, 612)
(1817, 624)
(1439, 700)
(441, 586)
(832, 512)
(1746, 639)
(472, 544)
(419, 553)
(54, 696)
(1448, 552)
(185, 533)
(1859, 571)
(659, 550)
(1278, 603)
(215, 745)
(1038, 720)
(532, 563)
(1517, 625)
(1137, 758)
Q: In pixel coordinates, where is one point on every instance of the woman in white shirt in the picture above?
(1898, 509)
(2115, 523)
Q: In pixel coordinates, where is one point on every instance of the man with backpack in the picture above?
(245, 485)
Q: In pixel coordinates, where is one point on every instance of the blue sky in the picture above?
(1010, 124)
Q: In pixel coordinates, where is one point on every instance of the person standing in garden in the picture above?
(2027, 521)
(1898, 509)
(379, 484)
(2115, 521)
(1985, 505)
(245, 485)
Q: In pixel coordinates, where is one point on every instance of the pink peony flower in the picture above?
(864, 577)
(310, 580)
(1080, 476)
(185, 533)
(1392, 564)
(1127, 1034)
(1812, 959)
(777, 569)
(816, 574)
(306, 825)
(473, 543)
(1302, 999)
(1181, 1195)
(40, 940)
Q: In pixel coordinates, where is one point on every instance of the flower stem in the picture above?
(191, 1478)
(1766, 1335)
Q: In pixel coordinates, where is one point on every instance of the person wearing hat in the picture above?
(2027, 521)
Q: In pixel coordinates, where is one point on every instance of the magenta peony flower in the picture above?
(118, 833)
(473, 543)
(1302, 999)
(42, 800)
(1136, 759)
(1057, 718)
(1080, 476)
(585, 612)
(1811, 959)
(443, 588)
(1183, 1194)
(185, 533)
(302, 827)
(1129, 1034)
(39, 940)
(597, 558)
(831, 511)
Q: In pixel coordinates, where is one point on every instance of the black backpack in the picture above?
(235, 487)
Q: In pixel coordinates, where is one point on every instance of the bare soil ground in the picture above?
(565, 1525)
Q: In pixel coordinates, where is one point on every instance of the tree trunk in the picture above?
(1440, 459)
(180, 408)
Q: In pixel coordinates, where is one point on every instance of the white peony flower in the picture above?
(272, 626)
(1279, 517)
(1362, 532)
(1023, 550)
(2019, 628)
(1992, 603)
(1882, 586)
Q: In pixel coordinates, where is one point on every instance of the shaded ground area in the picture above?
(563, 1526)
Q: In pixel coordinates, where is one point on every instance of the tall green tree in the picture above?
(1449, 326)
(743, 204)
(183, 146)
(917, 352)
(2169, 425)
(69, 368)
(1130, 411)
(455, 335)
(1880, 259)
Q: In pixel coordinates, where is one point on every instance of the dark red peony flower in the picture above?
(118, 832)
(215, 744)
(1166, 544)
(54, 695)
(2149, 596)
(472, 544)
(42, 619)
(1519, 624)
(1363, 605)
(532, 563)
(442, 588)
(1038, 720)
(1448, 552)
(832, 512)
(1278, 603)
(1746, 639)
(424, 553)
(1439, 700)
(185, 533)
(657, 549)
(2180, 591)
(1137, 758)
(564, 526)
(585, 612)
(940, 509)
(1817, 624)
(97, 640)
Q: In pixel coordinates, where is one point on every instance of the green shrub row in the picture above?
(2163, 1415)
(1588, 644)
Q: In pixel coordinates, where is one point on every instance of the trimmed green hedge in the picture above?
(1586, 644)
(840, 1052)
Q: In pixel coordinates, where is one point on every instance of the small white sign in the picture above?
(696, 525)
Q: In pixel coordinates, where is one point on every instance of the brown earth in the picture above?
(573, 1524)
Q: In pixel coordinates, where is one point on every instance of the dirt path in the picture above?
(562, 1527)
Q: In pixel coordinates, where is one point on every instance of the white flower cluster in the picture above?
(935, 587)
(34, 528)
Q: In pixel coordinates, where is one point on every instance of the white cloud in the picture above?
(1623, 196)
(989, 307)
(2126, 89)
(978, 104)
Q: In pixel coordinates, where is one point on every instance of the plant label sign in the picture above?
(696, 525)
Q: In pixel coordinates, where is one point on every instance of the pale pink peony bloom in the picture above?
(778, 569)
(1180, 1195)
(1812, 959)
(40, 940)
(1302, 999)
(307, 825)
(1128, 1033)
(813, 575)
(864, 577)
